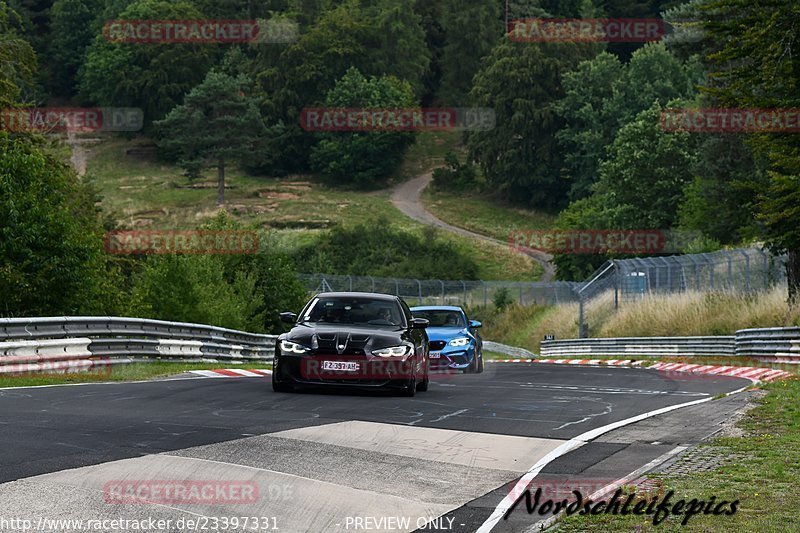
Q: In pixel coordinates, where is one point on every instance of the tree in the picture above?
(590, 119)
(217, 124)
(378, 37)
(153, 77)
(521, 82)
(721, 202)
(73, 24)
(364, 158)
(51, 238)
(646, 172)
(641, 187)
(756, 65)
(602, 95)
(403, 52)
(472, 28)
(17, 61)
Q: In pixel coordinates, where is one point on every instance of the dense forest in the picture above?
(578, 129)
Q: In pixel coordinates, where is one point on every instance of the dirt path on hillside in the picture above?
(406, 197)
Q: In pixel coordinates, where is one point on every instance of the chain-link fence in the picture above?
(441, 292)
(617, 281)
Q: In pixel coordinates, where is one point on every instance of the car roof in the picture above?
(437, 308)
(370, 295)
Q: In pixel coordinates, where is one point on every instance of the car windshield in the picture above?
(441, 318)
(364, 311)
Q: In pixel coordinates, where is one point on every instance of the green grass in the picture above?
(428, 152)
(141, 193)
(764, 478)
(483, 214)
(122, 372)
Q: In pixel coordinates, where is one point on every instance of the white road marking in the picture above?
(567, 447)
(456, 413)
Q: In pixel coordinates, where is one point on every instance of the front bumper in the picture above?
(453, 358)
(371, 371)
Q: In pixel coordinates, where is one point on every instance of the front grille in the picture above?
(328, 343)
(437, 345)
(458, 359)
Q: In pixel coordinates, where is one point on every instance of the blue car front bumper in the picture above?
(455, 358)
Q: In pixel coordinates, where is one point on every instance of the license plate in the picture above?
(340, 365)
(436, 355)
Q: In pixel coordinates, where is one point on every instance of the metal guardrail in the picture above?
(780, 345)
(769, 344)
(65, 343)
(505, 349)
(645, 346)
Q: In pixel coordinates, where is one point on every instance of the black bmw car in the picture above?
(353, 339)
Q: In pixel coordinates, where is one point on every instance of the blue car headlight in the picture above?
(460, 341)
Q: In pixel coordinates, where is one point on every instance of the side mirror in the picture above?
(474, 324)
(419, 323)
(288, 317)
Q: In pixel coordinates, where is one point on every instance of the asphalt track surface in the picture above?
(325, 460)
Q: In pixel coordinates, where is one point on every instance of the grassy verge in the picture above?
(764, 477)
(483, 214)
(129, 372)
(684, 314)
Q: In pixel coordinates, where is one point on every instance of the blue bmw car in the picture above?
(453, 339)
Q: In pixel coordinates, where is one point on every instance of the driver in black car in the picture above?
(385, 314)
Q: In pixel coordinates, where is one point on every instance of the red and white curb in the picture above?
(232, 373)
(601, 362)
(748, 372)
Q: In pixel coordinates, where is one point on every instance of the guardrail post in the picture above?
(442, 282)
(419, 288)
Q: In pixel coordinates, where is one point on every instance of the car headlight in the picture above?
(461, 341)
(292, 347)
(394, 351)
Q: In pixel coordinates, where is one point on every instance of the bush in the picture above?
(243, 292)
(378, 249)
(456, 177)
(502, 298)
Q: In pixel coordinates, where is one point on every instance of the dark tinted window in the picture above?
(364, 311)
(441, 318)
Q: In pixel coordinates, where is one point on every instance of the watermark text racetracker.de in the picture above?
(602, 241)
(181, 242)
(543, 30)
(731, 120)
(143, 525)
(397, 119)
(72, 119)
(274, 31)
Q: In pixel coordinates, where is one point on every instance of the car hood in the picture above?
(330, 338)
(446, 334)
